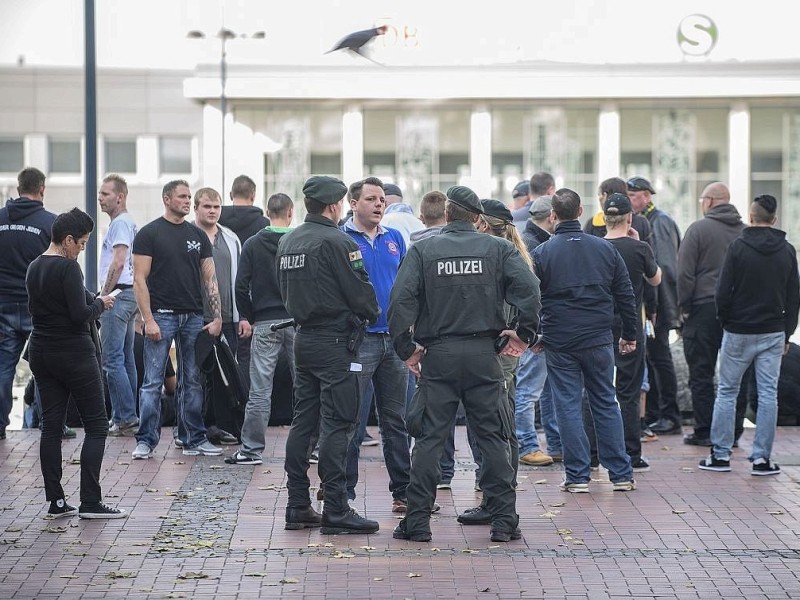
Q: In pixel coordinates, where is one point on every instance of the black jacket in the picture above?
(258, 295)
(758, 289)
(584, 281)
(665, 241)
(244, 221)
(24, 235)
(454, 284)
(533, 235)
(702, 253)
(322, 277)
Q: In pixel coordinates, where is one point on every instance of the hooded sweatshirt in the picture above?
(758, 289)
(244, 221)
(258, 296)
(701, 255)
(24, 235)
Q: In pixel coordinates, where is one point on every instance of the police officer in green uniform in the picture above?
(327, 292)
(446, 315)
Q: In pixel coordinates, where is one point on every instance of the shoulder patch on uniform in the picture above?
(354, 256)
(356, 260)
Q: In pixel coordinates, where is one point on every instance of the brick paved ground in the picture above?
(199, 528)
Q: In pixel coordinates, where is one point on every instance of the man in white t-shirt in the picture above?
(398, 214)
(117, 324)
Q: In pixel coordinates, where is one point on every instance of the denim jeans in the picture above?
(383, 370)
(265, 348)
(183, 328)
(738, 350)
(15, 327)
(569, 372)
(116, 336)
(532, 388)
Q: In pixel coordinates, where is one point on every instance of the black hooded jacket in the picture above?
(24, 234)
(758, 289)
(244, 221)
(258, 295)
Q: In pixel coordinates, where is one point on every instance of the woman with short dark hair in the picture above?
(63, 359)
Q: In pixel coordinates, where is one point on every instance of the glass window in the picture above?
(418, 149)
(775, 163)
(120, 156)
(679, 150)
(65, 156)
(12, 155)
(175, 155)
(561, 141)
(300, 142)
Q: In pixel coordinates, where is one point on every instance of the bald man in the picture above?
(700, 259)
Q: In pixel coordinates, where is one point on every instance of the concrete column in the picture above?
(480, 151)
(739, 157)
(211, 151)
(147, 167)
(608, 147)
(34, 148)
(352, 144)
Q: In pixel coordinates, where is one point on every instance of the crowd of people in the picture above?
(471, 304)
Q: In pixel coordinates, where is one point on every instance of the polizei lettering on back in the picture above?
(292, 261)
(459, 266)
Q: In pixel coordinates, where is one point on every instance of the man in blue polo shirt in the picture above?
(382, 249)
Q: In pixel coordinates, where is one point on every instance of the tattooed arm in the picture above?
(211, 290)
(115, 269)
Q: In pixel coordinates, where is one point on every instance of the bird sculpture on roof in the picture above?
(357, 41)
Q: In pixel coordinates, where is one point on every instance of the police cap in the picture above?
(496, 209)
(325, 189)
(465, 198)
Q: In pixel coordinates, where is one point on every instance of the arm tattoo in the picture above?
(212, 290)
(111, 280)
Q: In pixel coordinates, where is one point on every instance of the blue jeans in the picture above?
(116, 336)
(738, 350)
(265, 347)
(568, 372)
(383, 370)
(532, 388)
(15, 327)
(183, 328)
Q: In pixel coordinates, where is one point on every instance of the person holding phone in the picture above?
(63, 356)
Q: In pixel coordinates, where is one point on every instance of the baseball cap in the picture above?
(639, 184)
(523, 188)
(617, 204)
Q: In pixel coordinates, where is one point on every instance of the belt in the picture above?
(377, 333)
(123, 286)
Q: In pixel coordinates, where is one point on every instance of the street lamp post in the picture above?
(224, 35)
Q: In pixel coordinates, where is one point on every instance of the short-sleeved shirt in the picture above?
(120, 233)
(641, 262)
(175, 280)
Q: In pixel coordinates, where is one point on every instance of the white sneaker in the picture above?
(204, 449)
(142, 451)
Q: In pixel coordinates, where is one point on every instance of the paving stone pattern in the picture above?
(199, 528)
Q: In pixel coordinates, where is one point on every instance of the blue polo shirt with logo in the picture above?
(382, 257)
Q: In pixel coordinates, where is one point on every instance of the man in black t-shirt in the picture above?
(173, 268)
(638, 258)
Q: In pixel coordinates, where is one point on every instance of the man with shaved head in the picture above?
(700, 259)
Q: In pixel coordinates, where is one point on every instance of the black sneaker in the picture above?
(475, 516)
(59, 508)
(313, 458)
(640, 465)
(240, 458)
(764, 466)
(712, 463)
(506, 536)
(99, 510)
(400, 533)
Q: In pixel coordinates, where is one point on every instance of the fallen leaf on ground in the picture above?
(772, 512)
(368, 547)
(69, 576)
(123, 462)
(413, 575)
(175, 595)
(558, 504)
(150, 490)
(540, 481)
(485, 589)
(550, 514)
(256, 574)
(54, 529)
(564, 531)
(290, 580)
(468, 551)
(179, 462)
(215, 467)
(678, 512)
(377, 579)
(120, 575)
(339, 554)
(13, 529)
(193, 575)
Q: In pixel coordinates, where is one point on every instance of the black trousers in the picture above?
(662, 399)
(702, 338)
(62, 372)
(468, 370)
(326, 398)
